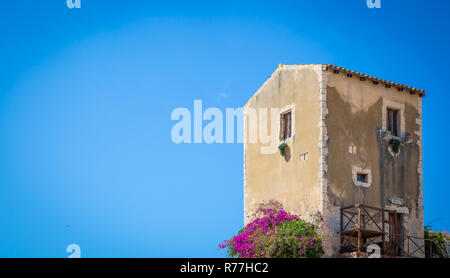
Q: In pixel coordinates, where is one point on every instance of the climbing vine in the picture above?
(275, 233)
(438, 240)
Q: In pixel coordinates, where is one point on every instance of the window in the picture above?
(393, 117)
(285, 125)
(392, 121)
(362, 177)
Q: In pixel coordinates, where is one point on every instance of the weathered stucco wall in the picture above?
(292, 181)
(340, 125)
(355, 139)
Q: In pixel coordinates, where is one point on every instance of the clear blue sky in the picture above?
(86, 96)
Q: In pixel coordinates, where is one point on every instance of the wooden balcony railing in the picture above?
(363, 226)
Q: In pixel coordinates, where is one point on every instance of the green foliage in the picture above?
(395, 143)
(438, 244)
(282, 147)
(296, 239)
(275, 233)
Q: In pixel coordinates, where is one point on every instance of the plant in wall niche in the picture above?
(275, 233)
(283, 147)
(395, 145)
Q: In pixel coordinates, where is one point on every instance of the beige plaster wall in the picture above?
(292, 181)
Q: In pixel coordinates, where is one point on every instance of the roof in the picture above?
(375, 80)
(350, 73)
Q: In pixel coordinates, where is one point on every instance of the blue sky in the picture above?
(86, 97)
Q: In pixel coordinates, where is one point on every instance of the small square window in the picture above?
(362, 177)
(285, 125)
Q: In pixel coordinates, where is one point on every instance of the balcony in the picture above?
(368, 231)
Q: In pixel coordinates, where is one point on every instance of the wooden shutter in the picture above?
(395, 122)
(288, 124)
(392, 121)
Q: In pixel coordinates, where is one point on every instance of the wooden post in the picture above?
(431, 249)
(396, 236)
(383, 236)
(359, 231)
(341, 240)
(407, 239)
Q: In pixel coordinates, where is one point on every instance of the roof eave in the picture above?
(375, 80)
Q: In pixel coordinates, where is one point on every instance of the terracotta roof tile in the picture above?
(400, 87)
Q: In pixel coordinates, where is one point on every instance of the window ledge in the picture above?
(287, 139)
(403, 138)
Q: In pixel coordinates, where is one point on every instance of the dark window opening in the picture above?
(285, 125)
(362, 178)
(392, 121)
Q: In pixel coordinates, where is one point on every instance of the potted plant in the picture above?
(395, 145)
(283, 148)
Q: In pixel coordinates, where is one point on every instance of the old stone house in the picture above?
(354, 155)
